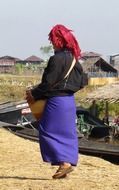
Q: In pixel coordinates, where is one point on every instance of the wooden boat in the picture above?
(15, 112)
(19, 113)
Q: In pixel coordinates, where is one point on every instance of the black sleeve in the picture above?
(50, 77)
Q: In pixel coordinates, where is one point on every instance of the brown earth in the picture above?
(22, 168)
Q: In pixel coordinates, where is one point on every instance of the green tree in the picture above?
(19, 68)
(46, 50)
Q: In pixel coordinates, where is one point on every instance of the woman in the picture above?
(57, 128)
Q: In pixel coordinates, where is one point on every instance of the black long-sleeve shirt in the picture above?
(53, 81)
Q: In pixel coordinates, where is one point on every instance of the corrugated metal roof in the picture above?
(33, 58)
(90, 54)
(98, 62)
(9, 58)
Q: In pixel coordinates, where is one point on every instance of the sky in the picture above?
(25, 24)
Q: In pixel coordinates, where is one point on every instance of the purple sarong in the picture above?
(57, 131)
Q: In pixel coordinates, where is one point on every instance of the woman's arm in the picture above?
(50, 76)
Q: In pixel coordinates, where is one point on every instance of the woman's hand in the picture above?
(29, 97)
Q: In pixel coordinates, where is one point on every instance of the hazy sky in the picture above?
(25, 24)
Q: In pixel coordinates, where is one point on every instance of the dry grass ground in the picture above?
(21, 168)
(12, 87)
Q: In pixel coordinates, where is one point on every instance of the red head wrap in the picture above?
(62, 37)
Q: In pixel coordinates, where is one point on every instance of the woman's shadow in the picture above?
(23, 178)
